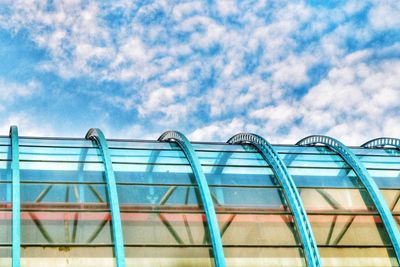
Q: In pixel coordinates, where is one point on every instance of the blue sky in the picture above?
(282, 69)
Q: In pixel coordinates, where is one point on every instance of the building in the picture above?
(98, 202)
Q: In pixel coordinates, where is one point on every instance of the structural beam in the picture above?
(97, 136)
(16, 198)
(186, 146)
(366, 179)
(290, 191)
(382, 142)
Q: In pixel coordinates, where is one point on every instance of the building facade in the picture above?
(171, 202)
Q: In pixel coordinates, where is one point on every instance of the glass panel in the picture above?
(165, 228)
(67, 256)
(257, 229)
(381, 162)
(5, 227)
(134, 196)
(5, 153)
(314, 161)
(324, 177)
(65, 227)
(290, 149)
(61, 172)
(259, 257)
(59, 195)
(231, 158)
(239, 175)
(349, 230)
(60, 154)
(169, 256)
(153, 174)
(148, 156)
(5, 256)
(376, 152)
(139, 144)
(5, 170)
(223, 147)
(386, 178)
(5, 195)
(392, 198)
(365, 257)
(248, 198)
(4, 140)
(24, 141)
(323, 199)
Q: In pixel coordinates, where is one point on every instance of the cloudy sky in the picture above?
(282, 69)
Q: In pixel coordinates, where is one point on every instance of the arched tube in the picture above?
(362, 173)
(186, 146)
(16, 198)
(382, 142)
(98, 136)
(291, 193)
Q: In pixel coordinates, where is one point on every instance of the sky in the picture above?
(210, 69)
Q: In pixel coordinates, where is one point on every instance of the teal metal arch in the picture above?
(362, 173)
(291, 193)
(98, 136)
(382, 142)
(186, 146)
(16, 198)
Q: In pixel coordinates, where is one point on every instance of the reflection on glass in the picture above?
(259, 256)
(349, 230)
(62, 194)
(158, 196)
(169, 256)
(327, 199)
(68, 256)
(236, 197)
(365, 257)
(65, 227)
(165, 228)
(257, 229)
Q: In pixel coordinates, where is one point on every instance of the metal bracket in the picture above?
(362, 173)
(16, 198)
(290, 190)
(98, 136)
(186, 146)
(382, 142)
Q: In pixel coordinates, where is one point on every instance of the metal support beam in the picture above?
(382, 142)
(366, 179)
(16, 198)
(186, 146)
(291, 193)
(98, 136)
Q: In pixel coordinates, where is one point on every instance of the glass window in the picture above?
(308, 177)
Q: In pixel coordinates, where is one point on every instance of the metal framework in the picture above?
(186, 146)
(382, 142)
(362, 173)
(291, 193)
(16, 198)
(98, 136)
